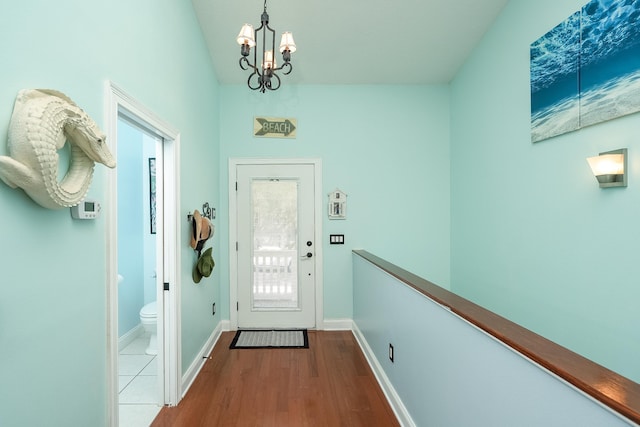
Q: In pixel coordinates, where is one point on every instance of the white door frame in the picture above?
(233, 232)
(118, 102)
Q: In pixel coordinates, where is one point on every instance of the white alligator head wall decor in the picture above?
(42, 122)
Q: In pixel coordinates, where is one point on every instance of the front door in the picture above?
(276, 274)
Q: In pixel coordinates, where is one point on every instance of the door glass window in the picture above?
(275, 244)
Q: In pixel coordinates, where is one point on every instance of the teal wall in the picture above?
(136, 245)
(442, 180)
(130, 233)
(385, 146)
(533, 236)
(150, 241)
(52, 268)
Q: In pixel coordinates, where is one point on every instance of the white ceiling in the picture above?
(354, 41)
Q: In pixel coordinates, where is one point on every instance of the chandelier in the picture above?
(264, 76)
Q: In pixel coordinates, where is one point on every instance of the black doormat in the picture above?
(294, 338)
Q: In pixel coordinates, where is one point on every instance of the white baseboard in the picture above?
(225, 325)
(387, 388)
(195, 367)
(130, 336)
(338, 325)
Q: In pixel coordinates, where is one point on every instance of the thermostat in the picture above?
(87, 209)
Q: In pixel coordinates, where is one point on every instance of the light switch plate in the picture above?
(336, 239)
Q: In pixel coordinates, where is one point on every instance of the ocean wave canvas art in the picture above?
(587, 69)
(555, 90)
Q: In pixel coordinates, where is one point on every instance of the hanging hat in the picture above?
(205, 233)
(204, 266)
(196, 223)
(207, 229)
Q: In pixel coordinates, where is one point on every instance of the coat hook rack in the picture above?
(207, 212)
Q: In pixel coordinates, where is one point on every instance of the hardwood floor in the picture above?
(328, 384)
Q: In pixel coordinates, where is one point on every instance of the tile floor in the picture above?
(138, 386)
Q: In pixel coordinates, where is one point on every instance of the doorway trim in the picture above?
(233, 232)
(118, 102)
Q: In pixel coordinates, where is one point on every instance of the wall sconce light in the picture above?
(610, 168)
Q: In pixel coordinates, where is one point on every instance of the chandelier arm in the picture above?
(272, 87)
(245, 64)
(286, 68)
(259, 81)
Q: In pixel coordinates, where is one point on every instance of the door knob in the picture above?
(308, 255)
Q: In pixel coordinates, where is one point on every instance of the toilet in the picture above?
(148, 318)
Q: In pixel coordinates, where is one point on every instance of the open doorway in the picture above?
(139, 386)
(142, 227)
